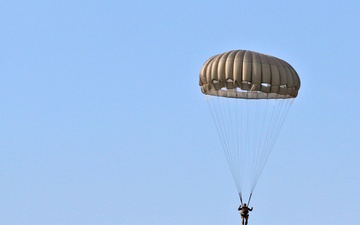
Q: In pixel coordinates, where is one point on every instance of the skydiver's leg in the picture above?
(242, 220)
(246, 220)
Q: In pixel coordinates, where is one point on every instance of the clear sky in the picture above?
(103, 122)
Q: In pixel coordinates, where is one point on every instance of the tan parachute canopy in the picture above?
(249, 75)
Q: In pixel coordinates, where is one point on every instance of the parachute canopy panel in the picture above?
(249, 75)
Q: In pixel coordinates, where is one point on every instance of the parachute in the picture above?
(249, 95)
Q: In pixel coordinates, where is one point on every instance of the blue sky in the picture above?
(103, 121)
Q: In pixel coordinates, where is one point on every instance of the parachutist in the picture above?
(244, 212)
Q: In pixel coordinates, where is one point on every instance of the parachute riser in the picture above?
(241, 200)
